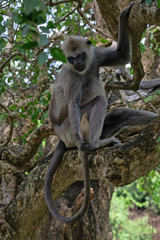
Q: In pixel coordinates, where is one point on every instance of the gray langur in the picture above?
(78, 106)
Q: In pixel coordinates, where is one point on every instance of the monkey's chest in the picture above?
(92, 89)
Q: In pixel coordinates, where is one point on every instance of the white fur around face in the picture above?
(75, 45)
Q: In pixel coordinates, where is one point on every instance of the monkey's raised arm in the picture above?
(120, 55)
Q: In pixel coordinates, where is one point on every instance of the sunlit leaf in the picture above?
(43, 40)
(17, 18)
(58, 54)
(92, 40)
(29, 6)
(50, 25)
(42, 58)
(142, 47)
(29, 45)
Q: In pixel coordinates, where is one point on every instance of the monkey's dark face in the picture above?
(79, 61)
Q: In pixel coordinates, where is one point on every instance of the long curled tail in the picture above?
(57, 158)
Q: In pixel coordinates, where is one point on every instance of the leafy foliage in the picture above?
(144, 193)
(125, 228)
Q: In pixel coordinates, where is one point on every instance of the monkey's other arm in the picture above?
(120, 55)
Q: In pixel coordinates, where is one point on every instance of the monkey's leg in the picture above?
(122, 117)
(96, 111)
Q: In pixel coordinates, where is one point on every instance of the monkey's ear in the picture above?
(88, 42)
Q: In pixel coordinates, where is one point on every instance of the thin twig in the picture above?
(7, 60)
(91, 25)
(59, 2)
(9, 92)
(62, 19)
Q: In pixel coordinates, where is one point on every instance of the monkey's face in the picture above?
(78, 61)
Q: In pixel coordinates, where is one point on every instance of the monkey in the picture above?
(78, 106)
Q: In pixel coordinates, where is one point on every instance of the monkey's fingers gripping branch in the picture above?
(57, 157)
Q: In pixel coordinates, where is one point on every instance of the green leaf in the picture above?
(142, 47)
(43, 40)
(29, 6)
(22, 108)
(103, 40)
(148, 1)
(25, 30)
(2, 43)
(29, 104)
(42, 58)
(93, 41)
(35, 114)
(23, 115)
(44, 29)
(157, 92)
(30, 110)
(29, 45)
(40, 19)
(149, 98)
(13, 107)
(2, 29)
(50, 25)
(17, 18)
(42, 5)
(58, 54)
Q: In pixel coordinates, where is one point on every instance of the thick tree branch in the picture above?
(20, 156)
(118, 165)
(141, 14)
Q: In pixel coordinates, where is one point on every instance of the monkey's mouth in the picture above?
(80, 68)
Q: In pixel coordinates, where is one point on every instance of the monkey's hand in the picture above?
(125, 13)
(81, 144)
(85, 147)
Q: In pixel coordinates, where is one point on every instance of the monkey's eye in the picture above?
(70, 59)
(83, 55)
(89, 42)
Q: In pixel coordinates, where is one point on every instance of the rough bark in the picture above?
(152, 67)
(118, 165)
(20, 155)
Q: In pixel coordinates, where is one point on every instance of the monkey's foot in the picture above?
(104, 143)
